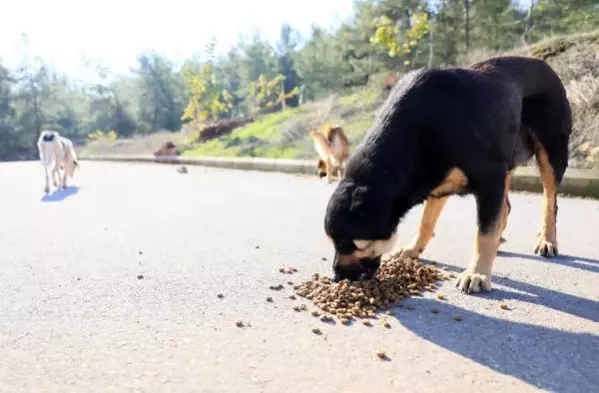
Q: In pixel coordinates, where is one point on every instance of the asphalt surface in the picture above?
(77, 316)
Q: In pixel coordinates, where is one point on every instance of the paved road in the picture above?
(75, 317)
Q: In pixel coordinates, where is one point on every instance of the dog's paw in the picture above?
(546, 248)
(409, 252)
(470, 281)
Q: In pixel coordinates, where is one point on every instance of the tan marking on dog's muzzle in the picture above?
(347, 259)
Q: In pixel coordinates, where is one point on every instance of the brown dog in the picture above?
(332, 147)
(167, 148)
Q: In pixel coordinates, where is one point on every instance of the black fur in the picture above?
(483, 120)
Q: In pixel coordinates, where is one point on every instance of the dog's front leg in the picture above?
(47, 186)
(490, 209)
(54, 172)
(428, 221)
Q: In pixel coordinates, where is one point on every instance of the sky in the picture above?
(64, 32)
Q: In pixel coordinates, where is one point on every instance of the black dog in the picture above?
(445, 132)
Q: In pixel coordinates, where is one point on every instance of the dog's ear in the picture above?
(366, 203)
(360, 200)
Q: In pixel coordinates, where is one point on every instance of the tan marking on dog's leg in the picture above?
(477, 277)
(428, 221)
(454, 181)
(547, 239)
(505, 211)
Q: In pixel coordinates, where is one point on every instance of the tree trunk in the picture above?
(467, 24)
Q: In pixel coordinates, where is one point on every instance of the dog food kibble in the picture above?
(269, 299)
(440, 296)
(503, 306)
(140, 276)
(315, 314)
(435, 310)
(282, 270)
(289, 282)
(387, 325)
(458, 318)
(316, 330)
(326, 318)
(390, 312)
(220, 296)
(239, 323)
(293, 270)
(367, 323)
(396, 279)
(381, 354)
(276, 287)
(344, 321)
(292, 297)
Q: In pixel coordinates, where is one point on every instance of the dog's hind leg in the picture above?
(64, 179)
(491, 207)
(432, 210)
(329, 169)
(547, 236)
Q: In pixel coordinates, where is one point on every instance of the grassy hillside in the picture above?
(285, 134)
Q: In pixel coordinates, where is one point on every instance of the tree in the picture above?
(286, 64)
(161, 92)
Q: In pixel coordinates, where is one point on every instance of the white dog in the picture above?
(56, 153)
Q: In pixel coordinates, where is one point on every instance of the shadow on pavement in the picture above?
(564, 260)
(549, 359)
(60, 195)
(570, 304)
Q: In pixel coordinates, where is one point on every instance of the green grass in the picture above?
(265, 127)
(265, 137)
(253, 140)
(365, 96)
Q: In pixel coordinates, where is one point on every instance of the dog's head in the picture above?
(359, 223)
(321, 168)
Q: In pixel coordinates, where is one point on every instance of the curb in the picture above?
(576, 182)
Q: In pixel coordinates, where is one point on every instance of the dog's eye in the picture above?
(362, 244)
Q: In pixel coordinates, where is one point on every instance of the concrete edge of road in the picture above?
(576, 182)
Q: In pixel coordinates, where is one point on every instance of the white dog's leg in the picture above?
(64, 178)
(54, 173)
(47, 186)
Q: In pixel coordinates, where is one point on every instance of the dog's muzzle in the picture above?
(348, 267)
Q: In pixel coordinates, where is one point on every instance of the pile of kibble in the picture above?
(396, 279)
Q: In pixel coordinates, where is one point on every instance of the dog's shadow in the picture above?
(60, 194)
(588, 264)
(529, 293)
(549, 359)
